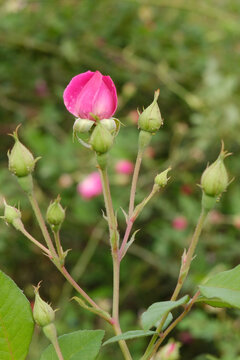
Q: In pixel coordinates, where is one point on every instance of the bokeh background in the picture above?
(191, 51)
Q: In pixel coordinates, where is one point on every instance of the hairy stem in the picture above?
(42, 224)
(131, 220)
(58, 244)
(56, 262)
(186, 263)
(113, 232)
(36, 242)
(134, 181)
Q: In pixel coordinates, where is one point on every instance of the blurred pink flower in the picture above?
(150, 152)
(236, 222)
(133, 116)
(179, 223)
(124, 167)
(91, 186)
(185, 337)
(91, 93)
(215, 217)
(41, 88)
(186, 189)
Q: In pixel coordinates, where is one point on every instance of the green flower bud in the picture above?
(12, 216)
(161, 179)
(43, 314)
(20, 160)
(101, 139)
(215, 179)
(110, 124)
(150, 119)
(82, 125)
(55, 214)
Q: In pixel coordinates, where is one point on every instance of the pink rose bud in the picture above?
(179, 223)
(124, 167)
(91, 186)
(90, 95)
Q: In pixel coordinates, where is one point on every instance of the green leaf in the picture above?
(16, 321)
(82, 344)
(223, 289)
(130, 335)
(157, 310)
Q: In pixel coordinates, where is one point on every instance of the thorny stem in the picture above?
(36, 242)
(112, 224)
(186, 263)
(53, 253)
(134, 181)
(68, 277)
(134, 216)
(42, 225)
(58, 244)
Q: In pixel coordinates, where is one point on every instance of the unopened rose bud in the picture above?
(43, 314)
(161, 179)
(215, 178)
(150, 119)
(101, 139)
(82, 125)
(91, 95)
(12, 216)
(169, 351)
(55, 214)
(21, 160)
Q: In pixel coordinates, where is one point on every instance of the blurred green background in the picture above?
(191, 51)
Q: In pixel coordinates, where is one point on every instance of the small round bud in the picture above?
(110, 124)
(101, 139)
(161, 179)
(215, 180)
(12, 216)
(150, 119)
(82, 125)
(43, 314)
(55, 214)
(20, 160)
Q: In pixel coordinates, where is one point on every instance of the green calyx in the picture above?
(43, 313)
(150, 119)
(82, 125)
(215, 178)
(20, 160)
(12, 216)
(101, 139)
(162, 179)
(55, 214)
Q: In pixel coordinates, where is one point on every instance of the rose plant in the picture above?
(92, 98)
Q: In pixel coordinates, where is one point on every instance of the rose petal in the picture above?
(71, 93)
(88, 95)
